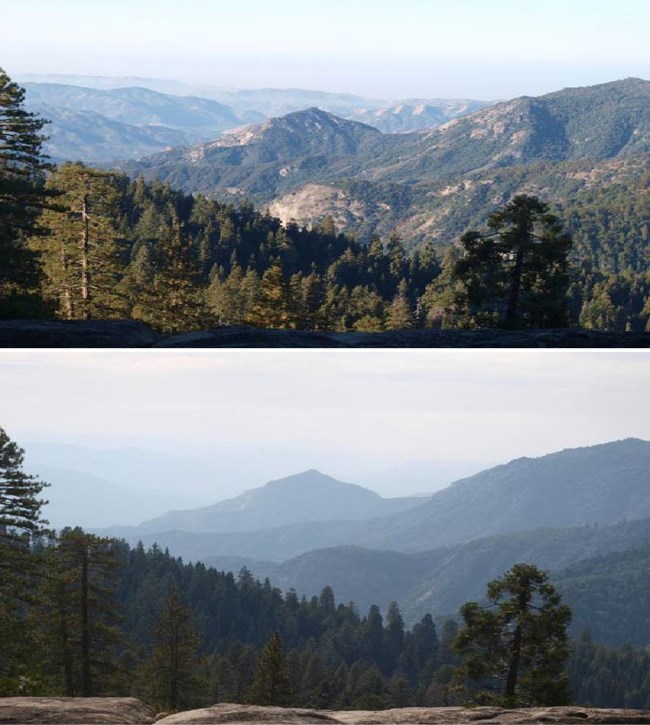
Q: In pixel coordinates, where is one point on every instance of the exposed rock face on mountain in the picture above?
(71, 710)
(308, 496)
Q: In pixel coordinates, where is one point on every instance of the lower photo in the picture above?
(341, 536)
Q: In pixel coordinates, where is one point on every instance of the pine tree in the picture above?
(81, 612)
(273, 306)
(81, 256)
(271, 685)
(444, 300)
(170, 675)
(373, 637)
(399, 315)
(314, 686)
(22, 195)
(20, 525)
(516, 648)
(174, 302)
(393, 636)
(229, 301)
(517, 272)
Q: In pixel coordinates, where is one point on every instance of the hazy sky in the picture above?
(385, 406)
(385, 48)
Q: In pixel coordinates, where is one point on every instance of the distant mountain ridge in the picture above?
(416, 114)
(305, 497)
(603, 484)
(104, 124)
(99, 119)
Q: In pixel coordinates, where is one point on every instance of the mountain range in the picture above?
(89, 485)
(426, 185)
(103, 120)
(577, 512)
(598, 485)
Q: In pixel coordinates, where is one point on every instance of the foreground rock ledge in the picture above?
(63, 710)
(74, 710)
(127, 333)
(232, 714)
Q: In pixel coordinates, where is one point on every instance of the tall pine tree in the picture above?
(22, 194)
(81, 256)
(20, 525)
(515, 649)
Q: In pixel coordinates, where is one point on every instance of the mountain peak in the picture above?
(310, 477)
(307, 496)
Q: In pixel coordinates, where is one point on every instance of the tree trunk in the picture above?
(523, 237)
(515, 286)
(523, 599)
(515, 658)
(67, 293)
(85, 269)
(67, 654)
(86, 685)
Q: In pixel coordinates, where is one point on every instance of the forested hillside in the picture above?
(440, 580)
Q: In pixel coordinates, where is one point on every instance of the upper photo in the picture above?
(425, 173)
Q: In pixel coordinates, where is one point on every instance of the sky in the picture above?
(483, 49)
(323, 409)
